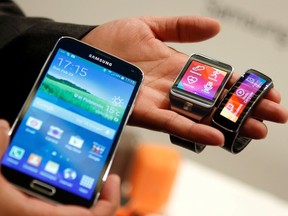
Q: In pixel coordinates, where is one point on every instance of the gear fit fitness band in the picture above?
(238, 105)
(196, 90)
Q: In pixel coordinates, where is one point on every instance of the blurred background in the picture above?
(254, 35)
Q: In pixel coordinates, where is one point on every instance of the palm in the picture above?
(141, 42)
(140, 47)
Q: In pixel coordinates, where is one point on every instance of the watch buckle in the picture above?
(187, 106)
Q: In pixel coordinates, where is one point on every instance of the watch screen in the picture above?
(242, 96)
(202, 80)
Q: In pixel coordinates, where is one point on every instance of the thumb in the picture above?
(4, 138)
(183, 28)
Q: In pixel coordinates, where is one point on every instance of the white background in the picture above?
(254, 35)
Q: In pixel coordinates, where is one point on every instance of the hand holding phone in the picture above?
(66, 134)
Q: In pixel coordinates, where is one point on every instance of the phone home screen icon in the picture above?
(97, 149)
(34, 160)
(55, 132)
(52, 167)
(76, 141)
(87, 181)
(69, 174)
(16, 152)
(34, 123)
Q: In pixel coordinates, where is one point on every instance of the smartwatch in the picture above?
(196, 91)
(237, 106)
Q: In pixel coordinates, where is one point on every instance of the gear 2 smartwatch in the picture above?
(237, 106)
(196, 90)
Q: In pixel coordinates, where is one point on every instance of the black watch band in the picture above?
(195, 113)
(188, 109)
(233, 142)
(192, 111)
(197, 148)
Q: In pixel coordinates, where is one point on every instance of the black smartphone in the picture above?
(66, 134)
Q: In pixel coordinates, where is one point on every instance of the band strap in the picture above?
(192, 111)
(197, 148)
(233, 142)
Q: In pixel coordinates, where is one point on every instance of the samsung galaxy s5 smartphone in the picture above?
(66, 134)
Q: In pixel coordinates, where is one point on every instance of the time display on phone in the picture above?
(202, 80)
(241, 97)
(68, 64)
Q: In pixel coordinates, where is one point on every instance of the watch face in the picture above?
(202, 80)
(242, 96)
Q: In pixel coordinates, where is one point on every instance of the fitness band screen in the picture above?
(242, 96)
(202, 80)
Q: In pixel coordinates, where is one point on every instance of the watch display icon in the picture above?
(199, 68)
(192, 79)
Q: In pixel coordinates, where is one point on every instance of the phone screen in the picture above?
(68, 129)
(202, 80)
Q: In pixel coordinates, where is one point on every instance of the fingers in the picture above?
(4, 138)
(254, 129)
(180, 126)
(265, 110)
(109, 200)
(270, 111)
(184, 28)
(272, 95)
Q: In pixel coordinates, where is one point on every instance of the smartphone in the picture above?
(64, 139)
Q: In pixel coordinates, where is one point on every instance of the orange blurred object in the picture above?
(152, 176)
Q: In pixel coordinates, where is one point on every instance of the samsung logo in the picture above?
(100, 60)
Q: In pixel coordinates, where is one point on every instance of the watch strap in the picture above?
(189, 109)
(240, 143)
(194, 112)
(233, 142)
(195, 147)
